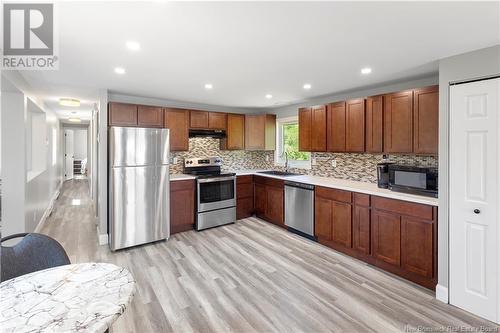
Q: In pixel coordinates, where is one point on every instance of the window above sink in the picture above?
(287, 140)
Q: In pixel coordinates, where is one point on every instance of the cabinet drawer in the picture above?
(403, 207)
(244, 190)
(179, 185)
(361, 199)
(333, 194)
(244, 179)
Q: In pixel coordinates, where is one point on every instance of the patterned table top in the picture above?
(73, 298)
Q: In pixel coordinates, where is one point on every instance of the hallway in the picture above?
(249, 277)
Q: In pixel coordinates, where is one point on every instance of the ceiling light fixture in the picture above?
(119, 70)
(269, 96)
(69, 102)
(366, 70)
(75, 120)
(307, 86)
(133, 45)
(208, 86)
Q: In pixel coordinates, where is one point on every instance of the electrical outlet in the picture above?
(314, 161)
(267, 158)
(175, 160)
(334, 163)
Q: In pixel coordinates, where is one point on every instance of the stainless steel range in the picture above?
(215, 192)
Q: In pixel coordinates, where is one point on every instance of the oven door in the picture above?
(216, 193)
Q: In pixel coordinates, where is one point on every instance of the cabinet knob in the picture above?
(477, 211)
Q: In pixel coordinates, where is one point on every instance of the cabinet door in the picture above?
(235, 132)
(260, 200)
(355, 125)
(274, 204)
(386, 235)
(342, 223)
(425, 120)
(318, 128)
(121, 114)
(305, 127)
(198, 119)
(255, 132)
(323, 218)
(335, 127)
(361, 229)
(217, 120)
(182, 206)
(398, 123)
(374, 124)
(417, 246)
(177, 121)
(149, 116)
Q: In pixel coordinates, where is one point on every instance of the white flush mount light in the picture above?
(208, 86)
(269, 96)
(366, 70)
(133, 45)
(75, 120)
(307, 86)
(120, 70)
(69, 102)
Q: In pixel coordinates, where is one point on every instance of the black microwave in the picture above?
(413, 179)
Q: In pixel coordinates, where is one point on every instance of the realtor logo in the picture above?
(28, 36)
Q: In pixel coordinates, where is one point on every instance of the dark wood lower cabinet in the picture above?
(244, 197)
(182, 208)
(397, 236)
(269, 199)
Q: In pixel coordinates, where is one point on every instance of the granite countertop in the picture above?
(72, 298)
(348, 185)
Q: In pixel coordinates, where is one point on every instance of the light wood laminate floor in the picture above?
(249, 277)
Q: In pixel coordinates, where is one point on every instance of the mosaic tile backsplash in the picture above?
(360, 167)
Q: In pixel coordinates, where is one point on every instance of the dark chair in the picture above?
(33, 253)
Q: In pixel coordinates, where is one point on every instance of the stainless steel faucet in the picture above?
(286, 160)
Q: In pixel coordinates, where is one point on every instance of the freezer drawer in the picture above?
(139, 205)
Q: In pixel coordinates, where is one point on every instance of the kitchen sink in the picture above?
(279, 173)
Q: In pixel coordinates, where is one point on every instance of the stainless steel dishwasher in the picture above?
(299, 208)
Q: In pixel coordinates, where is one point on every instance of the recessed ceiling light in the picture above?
(366, 70)
(307, 86)
(269, 96)
(69, 102)
(75, 120)
(208, 86)
(133, 46)
(119, 70)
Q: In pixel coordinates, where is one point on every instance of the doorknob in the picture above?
(477, 211)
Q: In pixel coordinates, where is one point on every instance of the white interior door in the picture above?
(474, 199)
(69, 154)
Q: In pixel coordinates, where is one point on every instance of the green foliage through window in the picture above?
(291, 143)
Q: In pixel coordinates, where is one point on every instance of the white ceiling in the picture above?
(249, 49)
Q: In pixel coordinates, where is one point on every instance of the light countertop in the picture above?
(348, 185)
(181, 176)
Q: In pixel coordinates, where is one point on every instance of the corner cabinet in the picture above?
(260, 132)
(397, 236)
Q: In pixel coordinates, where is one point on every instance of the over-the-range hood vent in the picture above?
(207, 133)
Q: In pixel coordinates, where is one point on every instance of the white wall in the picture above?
(468, 66)
(102, 165)
(25, 200)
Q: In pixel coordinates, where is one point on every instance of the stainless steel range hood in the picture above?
(207, 133)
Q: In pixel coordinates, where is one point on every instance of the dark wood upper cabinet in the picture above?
(374, 124)
(121, 114)
(318, 128)
(426, 120)
(260, 132)
(182, 197)
(149, 116)
(398, 122)
(198, 119)
(355, 125)
(177, 120)
(305, 128)
(235, 134)
(217, 120)
(335, 127)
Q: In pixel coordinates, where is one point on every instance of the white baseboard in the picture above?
(48, 211)
(442, 293)
(102, 238)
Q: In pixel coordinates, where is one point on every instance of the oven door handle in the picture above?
(213, 180)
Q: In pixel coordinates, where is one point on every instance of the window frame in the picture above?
(279, 160)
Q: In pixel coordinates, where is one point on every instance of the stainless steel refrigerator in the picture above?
(138, 189)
